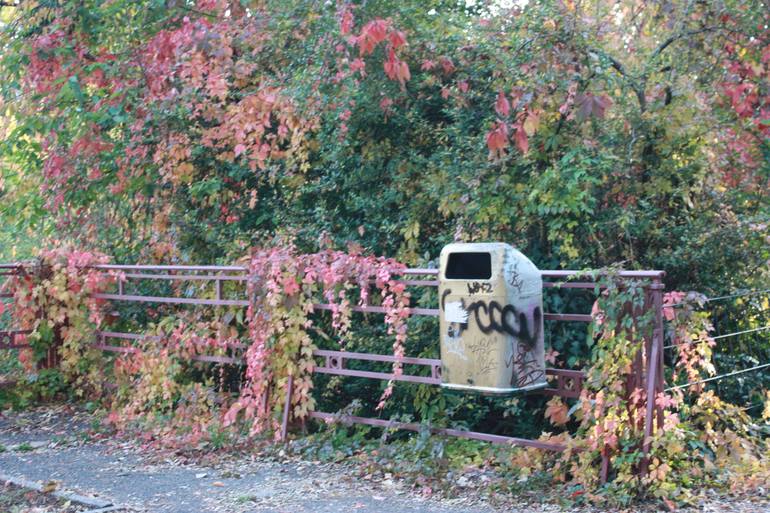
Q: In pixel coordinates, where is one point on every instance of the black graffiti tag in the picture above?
(526, 369)
(476, 287)
(444, 296)
(492, 317)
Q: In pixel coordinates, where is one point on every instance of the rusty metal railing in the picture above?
(649, 371)
(10, 338)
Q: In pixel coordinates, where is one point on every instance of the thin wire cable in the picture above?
(754, 330)
(721, 376)
(742, 332)
(720, 298)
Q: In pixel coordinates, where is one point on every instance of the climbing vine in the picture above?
(53, 299)
(702, 439)
(155, 395)
(162, 390)
(282, 289)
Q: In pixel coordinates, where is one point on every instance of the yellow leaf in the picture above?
(49, 486)
(531, 123)
(556, 411)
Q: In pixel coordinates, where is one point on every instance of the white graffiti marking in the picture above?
(454, 312)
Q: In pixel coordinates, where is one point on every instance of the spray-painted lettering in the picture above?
(476, 287)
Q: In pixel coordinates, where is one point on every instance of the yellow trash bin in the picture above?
(491, 319)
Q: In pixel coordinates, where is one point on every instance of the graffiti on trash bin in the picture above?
(492, 317)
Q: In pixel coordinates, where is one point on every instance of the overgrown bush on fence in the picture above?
(157, 388)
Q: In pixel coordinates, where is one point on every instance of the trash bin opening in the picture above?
(469, 266)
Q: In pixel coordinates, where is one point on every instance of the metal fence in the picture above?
(647, 370)
(10, 338)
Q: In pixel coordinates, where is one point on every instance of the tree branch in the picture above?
(639, 84)
(8, 4)
(632, 81)
(665, 44)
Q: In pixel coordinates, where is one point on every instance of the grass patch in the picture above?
(24, 447)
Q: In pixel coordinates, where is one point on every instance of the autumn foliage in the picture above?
(584, 133)
(283, 284)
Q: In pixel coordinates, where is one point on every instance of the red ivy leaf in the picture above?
(346, 22)
(497, 139)
(371, 35)
(427, 65)
(397, 39)
(557, 412)
(502, 105)
(521, 139)
(591, 105)
(395, 68)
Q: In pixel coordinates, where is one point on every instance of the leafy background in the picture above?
(585, 133)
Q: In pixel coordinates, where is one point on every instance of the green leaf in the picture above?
(74, 85)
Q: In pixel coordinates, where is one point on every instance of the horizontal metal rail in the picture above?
(564, 274)
(187, 277)
(241, 278)
(8, 339)
(431, 312)
(384, 376)
(116, 349)
(413, 426)
(10, 346)
(569, 380)
(127, 336)
(154, 338)
(219, 301)
(206, 268)
(228, 360)
(173, 300)
(387, 358)
(620, 274)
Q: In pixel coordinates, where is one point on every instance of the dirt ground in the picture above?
(52, 445)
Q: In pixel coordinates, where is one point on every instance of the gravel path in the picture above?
(50, 447)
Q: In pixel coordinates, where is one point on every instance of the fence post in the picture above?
(655, 378)
(287, 408)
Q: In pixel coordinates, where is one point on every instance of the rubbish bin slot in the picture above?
(469, 266)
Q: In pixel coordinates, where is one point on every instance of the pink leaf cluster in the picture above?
(284, 285)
